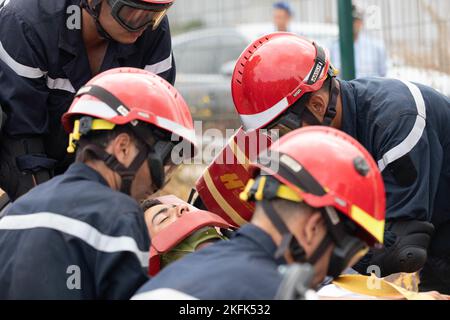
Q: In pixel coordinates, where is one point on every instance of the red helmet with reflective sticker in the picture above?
(226, 177)
(145, 96)
(148, 105)
(328, 170)
(344, 169)
(194, 227)
(273, 73)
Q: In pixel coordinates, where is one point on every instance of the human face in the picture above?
(142, 186)
(161, 216)
(310, 231)
(357, 27)
(281, 19)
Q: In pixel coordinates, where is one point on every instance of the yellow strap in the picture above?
(283, 192)
(100, 124)
(97, 124)
(74, 136)
(259, 195)
(286, 193)
(245, 195)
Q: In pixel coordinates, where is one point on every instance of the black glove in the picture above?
(405, 249)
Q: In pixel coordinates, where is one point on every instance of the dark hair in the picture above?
(102, 138)
(147, 204)
(357, 13)
(282, 5)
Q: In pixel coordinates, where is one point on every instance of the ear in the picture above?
(313, 227)
(123, 148)
(318, 104)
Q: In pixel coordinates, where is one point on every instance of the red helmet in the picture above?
(191, 230)
(152, 108)
(341, 166)
(145, 97)
(328, 170)
(273, 73)
(226, 177)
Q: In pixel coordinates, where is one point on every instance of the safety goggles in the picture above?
(136, 15)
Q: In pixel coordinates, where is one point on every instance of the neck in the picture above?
(264, 224)
(91, 37)
(111, 178)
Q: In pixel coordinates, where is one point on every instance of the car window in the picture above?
(208, 54)
(197, 55)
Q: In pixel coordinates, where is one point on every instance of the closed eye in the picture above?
(157, 219)
(160, 222)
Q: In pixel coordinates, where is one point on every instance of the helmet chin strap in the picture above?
(127, 174)
(289, 243)
(94, 12)
(332, 103)
(346, 246)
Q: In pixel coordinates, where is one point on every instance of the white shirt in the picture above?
(370, 57)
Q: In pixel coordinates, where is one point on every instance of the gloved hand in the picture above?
(405, 249)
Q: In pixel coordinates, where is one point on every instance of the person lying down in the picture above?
(178, 228)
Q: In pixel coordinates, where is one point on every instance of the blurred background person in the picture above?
(370, 53)
(282, 16)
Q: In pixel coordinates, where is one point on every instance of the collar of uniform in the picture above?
(348, 108)
(259, 238)
(81, 170)
(126, 50)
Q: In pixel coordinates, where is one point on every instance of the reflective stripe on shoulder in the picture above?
(3, 3)
(60, 84)
(163, 294)
(76, 228)
(414, 136)
(20, 69)
(161, 66)
(34, 73)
